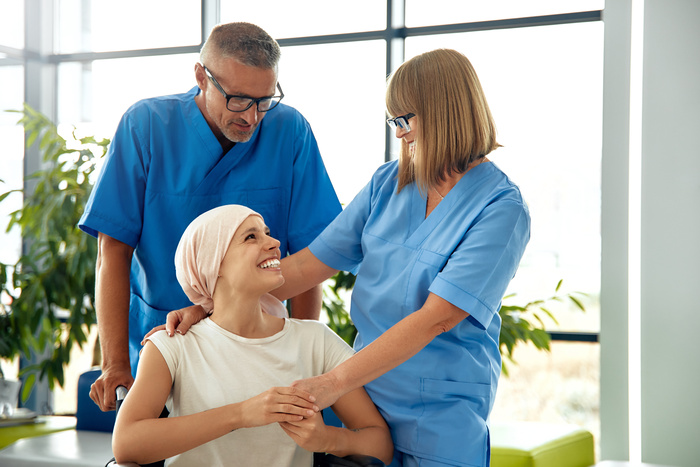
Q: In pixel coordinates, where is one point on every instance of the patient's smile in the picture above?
(270, 263)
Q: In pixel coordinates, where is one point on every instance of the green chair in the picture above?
(533, 444)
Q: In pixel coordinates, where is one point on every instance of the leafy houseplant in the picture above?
(520, 323)
(51, 287)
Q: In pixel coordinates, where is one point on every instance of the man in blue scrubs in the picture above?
(227, 141)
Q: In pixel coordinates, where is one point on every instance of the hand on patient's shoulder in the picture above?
(179, 321)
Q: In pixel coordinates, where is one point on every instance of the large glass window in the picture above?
(544, 87)
(12, 138)
(11, 174)
(97, 94)
(99, 26)
(283, 19)
(342, 97)
(12, 24)
(436, 12)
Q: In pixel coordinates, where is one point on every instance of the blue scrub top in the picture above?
(466, 251)
(165, 167)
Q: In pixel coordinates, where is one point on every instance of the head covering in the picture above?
(202, 249)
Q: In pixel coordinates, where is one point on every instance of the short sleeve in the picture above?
(115, 205)
(336, 350)
(168, 348)
(314, 203)
(478, 272)
(340, 245)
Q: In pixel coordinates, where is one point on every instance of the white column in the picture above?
(614, 413)
(670, 262)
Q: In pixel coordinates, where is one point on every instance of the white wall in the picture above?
(670, 233)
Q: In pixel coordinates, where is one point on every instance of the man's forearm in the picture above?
(307, 305)
(112, 302)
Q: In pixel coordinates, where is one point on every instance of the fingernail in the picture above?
(179, 332)
(312, 399)
(316, 409)
(170, 334)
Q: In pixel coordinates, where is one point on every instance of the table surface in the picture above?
(626, 464)
(44, 425)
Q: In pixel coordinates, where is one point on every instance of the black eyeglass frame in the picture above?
(397, 121)
(252, 100)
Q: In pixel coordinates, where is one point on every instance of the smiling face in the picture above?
(252, 261)
(235, 79)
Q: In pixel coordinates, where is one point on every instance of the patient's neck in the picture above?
(241, 314)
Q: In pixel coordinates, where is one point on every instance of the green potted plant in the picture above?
(49, 291)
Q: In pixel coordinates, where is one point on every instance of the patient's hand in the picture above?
(310, 433)
(282, 404)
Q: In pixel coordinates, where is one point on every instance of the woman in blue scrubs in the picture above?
(434, 239)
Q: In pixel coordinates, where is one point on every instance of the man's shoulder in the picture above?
(284, 116)
(163, 106)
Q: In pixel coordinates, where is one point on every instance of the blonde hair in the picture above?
(456, 126)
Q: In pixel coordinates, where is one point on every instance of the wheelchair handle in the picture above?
(121, 394)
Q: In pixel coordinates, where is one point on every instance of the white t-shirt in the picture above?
(212, 367)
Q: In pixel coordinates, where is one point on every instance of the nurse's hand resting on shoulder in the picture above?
(180, 321)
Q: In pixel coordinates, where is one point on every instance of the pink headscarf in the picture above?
(202, 249)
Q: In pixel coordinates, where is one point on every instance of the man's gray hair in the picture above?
(245, 42)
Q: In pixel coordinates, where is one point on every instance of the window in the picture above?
(12, 25)
(437, 12)
(97, 26)
(301, 18)
(544, 87)
(543, 80)
(342, 97)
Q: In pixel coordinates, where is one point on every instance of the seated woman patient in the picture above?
(224, 382)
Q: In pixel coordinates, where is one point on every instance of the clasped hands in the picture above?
(296, 408)
(324, 388)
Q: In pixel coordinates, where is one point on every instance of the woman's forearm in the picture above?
(167, 437)
(396, 345)
(301, 271)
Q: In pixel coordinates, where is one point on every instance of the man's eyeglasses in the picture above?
(242, 103)
(401, 122)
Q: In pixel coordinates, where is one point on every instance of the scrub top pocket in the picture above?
(451, 409)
